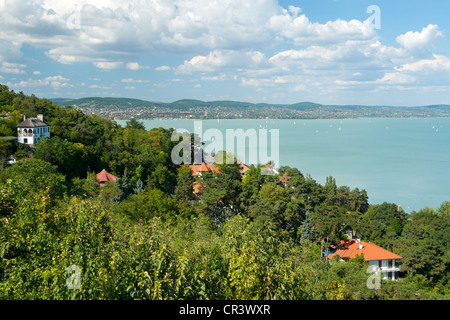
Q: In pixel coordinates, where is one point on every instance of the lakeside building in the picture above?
(373, 254)
(31, 130)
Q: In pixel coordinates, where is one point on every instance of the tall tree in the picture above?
(184, 189)
(307, 231)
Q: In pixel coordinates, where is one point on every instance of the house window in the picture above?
(25, 140)
(390, 264)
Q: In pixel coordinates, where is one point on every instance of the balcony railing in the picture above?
(390, 269)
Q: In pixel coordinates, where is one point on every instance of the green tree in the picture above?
(86, 188)
(184, 189)
(148, 204)
(327, 225)
(139, 187)
(125, 181)
(161, 178)
(135, 124)
(307, 231)
(72, 159)
(34, 176)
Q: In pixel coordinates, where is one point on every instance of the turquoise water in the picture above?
(400, 160)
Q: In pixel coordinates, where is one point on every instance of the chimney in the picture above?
(40, 117)
(24, 117)
(360, 246)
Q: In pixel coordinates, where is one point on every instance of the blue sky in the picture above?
(325, 51)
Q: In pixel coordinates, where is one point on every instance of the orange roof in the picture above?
(351, 248)
(198, 187)
(244, 167)
(104, 176)
(203, 168)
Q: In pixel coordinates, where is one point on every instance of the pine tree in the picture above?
(139, 187)
(125, 181)
(307, 233)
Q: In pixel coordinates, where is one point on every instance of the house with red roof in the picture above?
(105, 176)
(244, 168)
(376, 256)
(198, 169)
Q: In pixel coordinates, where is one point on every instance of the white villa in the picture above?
(31, 130)
(373, 254)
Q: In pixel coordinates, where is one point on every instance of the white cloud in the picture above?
(130, 80)
(304, 32)
(108, 65)
(220, 77)
(255, 82)
(223, 59)
(437, 63)
(95, 86)
(116, 29)
(227, 39)
(135, 66)
(423, 40)
(54, 81)
(13, 68)
(162, 68)
(397, 78)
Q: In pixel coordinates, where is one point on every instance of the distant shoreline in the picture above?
(122, 108)
(355, 118)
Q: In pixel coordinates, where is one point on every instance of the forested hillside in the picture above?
(250, 237)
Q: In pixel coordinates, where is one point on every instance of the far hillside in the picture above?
(125, 108)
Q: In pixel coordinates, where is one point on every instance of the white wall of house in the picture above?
(389, 268)
(32, 135)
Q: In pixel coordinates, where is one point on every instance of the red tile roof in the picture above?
(203, 168)
(104, 176)
(351, 248)
(198, 187)
(244, 167)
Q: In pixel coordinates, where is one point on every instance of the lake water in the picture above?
(400, 160)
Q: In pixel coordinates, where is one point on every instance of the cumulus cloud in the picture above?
(108, 65)
(53, 81)
(397, 78)
(107, 30)
(437, 63)
(135, 66)
(420, 41)
(223, 59)
(304, 32)
(14, 68)
(219, 40)
(162, 68)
